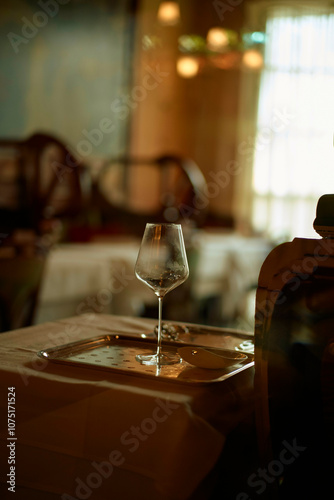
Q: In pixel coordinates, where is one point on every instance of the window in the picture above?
(293, 160)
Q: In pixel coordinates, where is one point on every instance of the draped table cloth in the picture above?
(81, 433)
(226, 264)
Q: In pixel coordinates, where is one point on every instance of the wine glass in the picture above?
(162, 265)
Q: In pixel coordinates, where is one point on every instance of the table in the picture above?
(228, 266)
(91, 276)
(84, 433)
(100, 276)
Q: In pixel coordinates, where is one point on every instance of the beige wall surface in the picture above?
(196, 117)
(62, 64)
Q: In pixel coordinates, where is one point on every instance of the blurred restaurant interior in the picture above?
(119, 113)
(216, 115)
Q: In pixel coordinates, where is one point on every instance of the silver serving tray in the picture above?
(209, 336)
(116, 353)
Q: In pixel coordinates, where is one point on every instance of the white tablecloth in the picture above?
(84, 433)
(100, 277)
(91, 277)
(228, 265)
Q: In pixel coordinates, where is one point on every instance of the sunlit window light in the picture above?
(293, 153)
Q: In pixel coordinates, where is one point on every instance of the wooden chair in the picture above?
(41, 189)
(22, 260)
(129, 192)
(40, 180)
(294, 364)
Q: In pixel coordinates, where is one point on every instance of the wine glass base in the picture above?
(165, 358)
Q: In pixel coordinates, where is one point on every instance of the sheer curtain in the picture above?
(293, 155)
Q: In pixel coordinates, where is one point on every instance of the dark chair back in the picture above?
(294, 367)
(22, 261)
(129, 192)
(39, 180)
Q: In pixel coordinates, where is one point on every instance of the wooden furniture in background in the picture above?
(294, 364)
(129, 192)
(40, 180)
(22, 260)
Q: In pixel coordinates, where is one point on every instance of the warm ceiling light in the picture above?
(217, 39)
(252, 59)
(169, 13)
(187, 67)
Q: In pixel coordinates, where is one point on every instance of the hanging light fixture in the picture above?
(222, 48)
(217, 39)
(169, 13)
(252, 59)
(187, 66)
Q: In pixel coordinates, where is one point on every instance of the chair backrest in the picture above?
(132, 191)
(39, 180)
(22, 260)
(294, 366)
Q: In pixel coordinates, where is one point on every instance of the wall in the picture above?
(195, 117)
(62, 64)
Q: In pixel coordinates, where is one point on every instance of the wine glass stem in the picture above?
(159, 327)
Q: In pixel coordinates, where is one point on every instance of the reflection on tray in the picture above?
(227, 338)
(116, 353)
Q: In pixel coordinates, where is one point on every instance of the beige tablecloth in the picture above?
(83, 433)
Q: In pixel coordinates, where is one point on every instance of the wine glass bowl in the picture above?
(162, 265)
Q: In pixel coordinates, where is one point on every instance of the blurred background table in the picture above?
(99, 277)
(78, 272)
